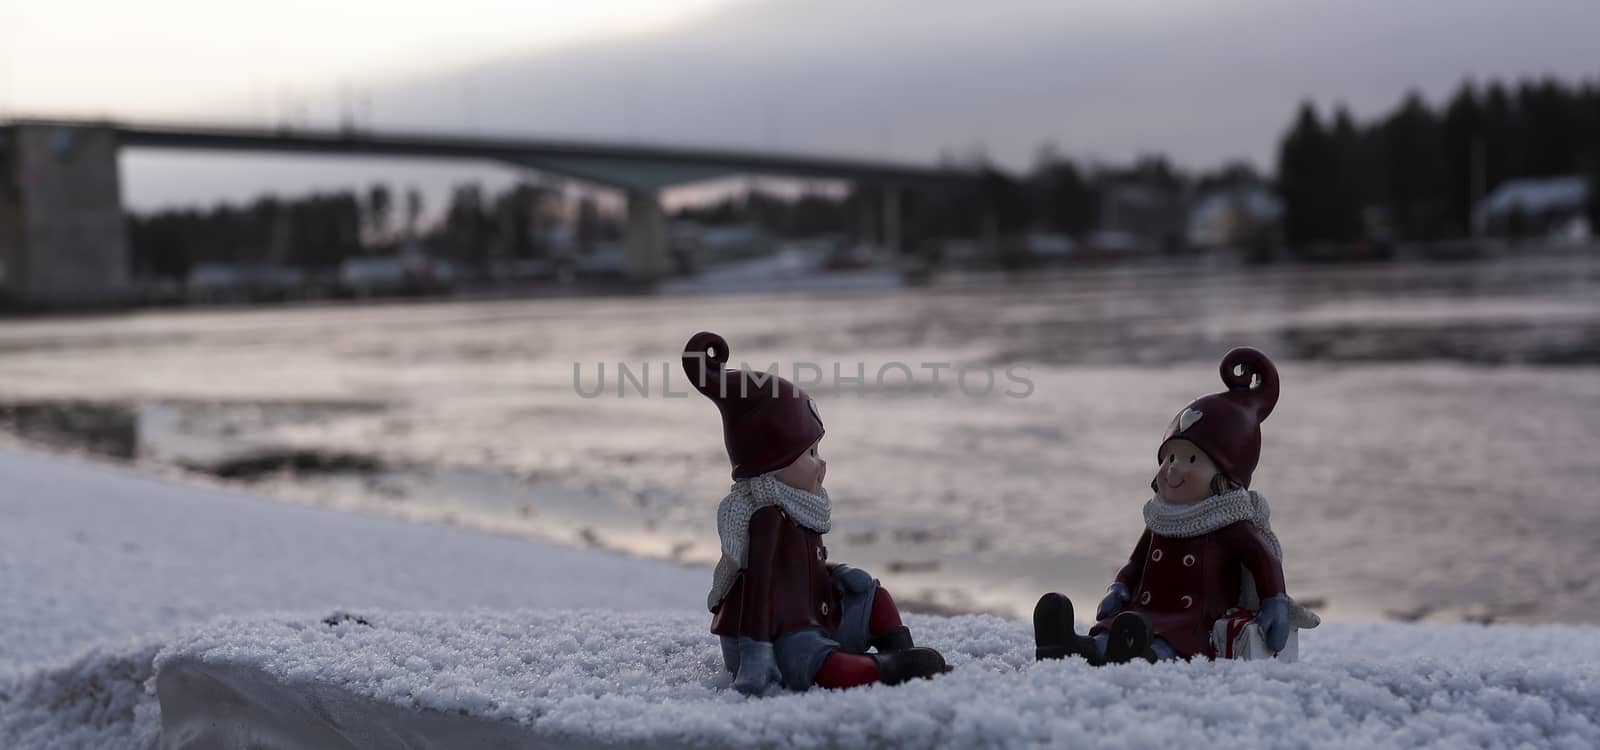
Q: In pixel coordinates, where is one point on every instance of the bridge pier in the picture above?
(646, 236)
(891, 220)
(63, 236)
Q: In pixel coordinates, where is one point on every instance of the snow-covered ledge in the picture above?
(592, 679)
(218, 705)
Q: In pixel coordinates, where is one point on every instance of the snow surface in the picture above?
(90, 552)
(108, 576)
(100, 566)
(655, 679)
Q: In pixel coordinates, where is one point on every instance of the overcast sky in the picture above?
(901, 79)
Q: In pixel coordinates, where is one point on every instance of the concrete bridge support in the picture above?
(63, 236)
(881, 223)
(891, 220)
(646, 240)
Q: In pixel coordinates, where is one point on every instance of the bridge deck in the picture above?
(681, 163)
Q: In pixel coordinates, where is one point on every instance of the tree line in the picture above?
(320, 232)
(1416, 173)
(1413, 174)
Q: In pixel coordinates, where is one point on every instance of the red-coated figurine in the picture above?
(1208, 556)
(786, 616)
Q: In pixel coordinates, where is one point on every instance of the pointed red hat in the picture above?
(767, 422)
(1227, 425)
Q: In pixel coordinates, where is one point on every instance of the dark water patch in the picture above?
(1548, 343)
(1414, 614)
(246, 416)
(923, 536)
(947, 603)
(267, 462)
(55, 343)
(135, 430)
(104, 429)
(591, 538)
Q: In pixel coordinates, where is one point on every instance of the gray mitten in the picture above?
(757, 669)
(1116, 599)
(852, 580)
(1273, 620)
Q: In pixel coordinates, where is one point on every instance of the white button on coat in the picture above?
(1155, 555)
(1188, 561)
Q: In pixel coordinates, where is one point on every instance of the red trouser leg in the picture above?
(842, 670)
(885, 616)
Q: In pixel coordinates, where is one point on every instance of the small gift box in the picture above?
(1236, 636)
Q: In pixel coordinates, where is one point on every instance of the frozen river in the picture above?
(1435, 454)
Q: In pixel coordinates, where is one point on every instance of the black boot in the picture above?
(898, 639)
(1130, 638)
(1054, 636)
(896, 667)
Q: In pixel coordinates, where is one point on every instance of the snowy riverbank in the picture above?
(588, 679)
(100, 566)
(108, 576)
(531, 679)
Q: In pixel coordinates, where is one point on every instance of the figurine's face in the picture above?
(1185, 474)
(806, 472)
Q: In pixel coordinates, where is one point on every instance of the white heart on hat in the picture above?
(1188, 418)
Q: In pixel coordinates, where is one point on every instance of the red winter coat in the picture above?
(785, 585)
(1185, 585)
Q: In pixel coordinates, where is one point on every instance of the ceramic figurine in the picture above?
(1208, 561)
(785, 614)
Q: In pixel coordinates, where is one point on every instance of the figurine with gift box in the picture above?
(1206, 576)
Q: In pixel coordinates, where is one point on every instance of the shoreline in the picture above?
(442, 517)
(586, 539)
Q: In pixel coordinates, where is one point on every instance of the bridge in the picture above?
(62, 235)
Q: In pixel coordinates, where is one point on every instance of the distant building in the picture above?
(1146, 218)
(228, 282)
(1549, 207)
(1111, 242)
(701, 244)
(1047, 246)
(1236, 216)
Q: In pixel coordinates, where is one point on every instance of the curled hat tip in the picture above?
(708, 346)
(704, 357)
(1249, 370)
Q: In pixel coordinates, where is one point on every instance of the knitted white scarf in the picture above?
(1215, 512)
(1210, 514)
(747, 496)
